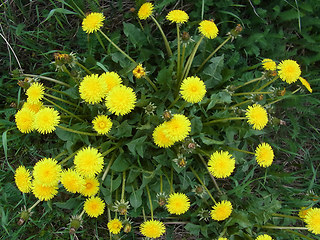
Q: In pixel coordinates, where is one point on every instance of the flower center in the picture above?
(88, 185)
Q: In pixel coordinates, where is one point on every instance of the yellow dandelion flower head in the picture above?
(121, 100)
(160, 137)
(289, 71)
(305, 83)
(177, 16)
(303, 212)
(47, 171)
(93, 22)
(35, 92)
(114, 226)
(313, 220)
(139, 71)
(91, 187)
(145, 11)
(221, 164)
(72, 181)
(152, 228)
(92, 89)
(264, 237)
(22, 179)
(269, 64)
(222, 238)
(34, 107)
(102, 124)
(24, 120)
(208, 29)
(44, 193)
(264, 155)
(111, 79)
(257, 116)
(178, 203)
(94, 206)
(46, 120)
(193, 89)
(88, 162)
(178, 127)
(221, 210)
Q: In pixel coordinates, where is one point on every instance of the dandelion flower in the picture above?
(257, 116)
(221, 164)
(269, 64)
(35, 92)
(24, 120)
(145, 10)
(313, 220)
(289, 71)
(46, 120)
(177, 16)
(160, 137)
(208, 29)
(152, 228)
(114, 226)
(264, 237)
(93, 22)
(221, 210)
(88, 162)
(139, 71)
(92, 89)
(102, 124)
(178, 203)
(121, 100)
(305, 83)
(91, 187)
(303, 212)
(111, 79)
(193, 89)
(22, 179)
(34, 107)
(44, 193)
(72, 181)
(94, 206)
(264, 155)
(178, 127)
(222, 238)
(47, 171)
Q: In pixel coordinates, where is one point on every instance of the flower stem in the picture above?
(178, 54)
(239, 104)
(285, 216)
(283, 228)
(251, 81)
(199, 179)
(55, 90)
(150, 201)
(81, 214)
(60, 99)
(174, 102)
(171, 181)
(84, 68)
(47, 78)
(267, 84)
(76, 131)
(150, 82)
(249, 93)
(108, 167)
(224, 119)
(161, 187)
(36, 203)
(298, 234)
(210, 56)
(240, 150)
(123, 185)
(116, 46)
(67, 158)
(166, 43)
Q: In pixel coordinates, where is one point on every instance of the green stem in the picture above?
(298, 234)
(123, 185)
(67, 158)
(150, 201)
(278, 100)
(285, 216)
(241, 103)
(100, 41)
(108, 167)
(171, 181)
(150, 82)
(55, 90)
(174, 102)
(47, 78)
(161, 187)
(105, 153)
(36, 203)
(283, 228)
(76, 131)
(178, 56)
(224, 119)
(182, 107)
(84, 68)
(65, 110)
(182, 57)
(60, 154)
(210, 56)
(166, 43)
(267, 84)
(61, 100)
(116, 46)
(251, 81)
(239, 150)
(249, 93)
(199, 179)
(81, 214)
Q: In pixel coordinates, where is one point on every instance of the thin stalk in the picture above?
(84, 68)
(298, 234)
(67, 158)
(251, 81)
(210, 56)
(278, 100)
(178, 56)
(240, 150)
(182, 57)
(116, 46)
(76, 131)
(123, 184)
(100, 41)
(182, 106)
(224, 119)
(166, 43)
(36, 203)
(65, 110)
(60, 154)
(212, 177)
(81, 214)
(107, 169)
(150, 82)
(283, 228)
(241, 103)
(171, 181)
(105, 153)
(249, 93)
(55, 90)
(64, 68)
(174, 102)
(161, 184)
(47, 78)
(150, 201)
(285, 216)
(199, 179)
(61, 100)
(267, 84)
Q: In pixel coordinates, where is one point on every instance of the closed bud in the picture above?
(75, 224)
(24, 216)
(127, 228)
(259, 97)
(167, 115)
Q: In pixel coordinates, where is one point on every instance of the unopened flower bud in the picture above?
(24, 216)
(281, 92)
(236, 31)
(75, 224)
(167, 115)
(161, 199)
(259, 97)
(127, 228)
